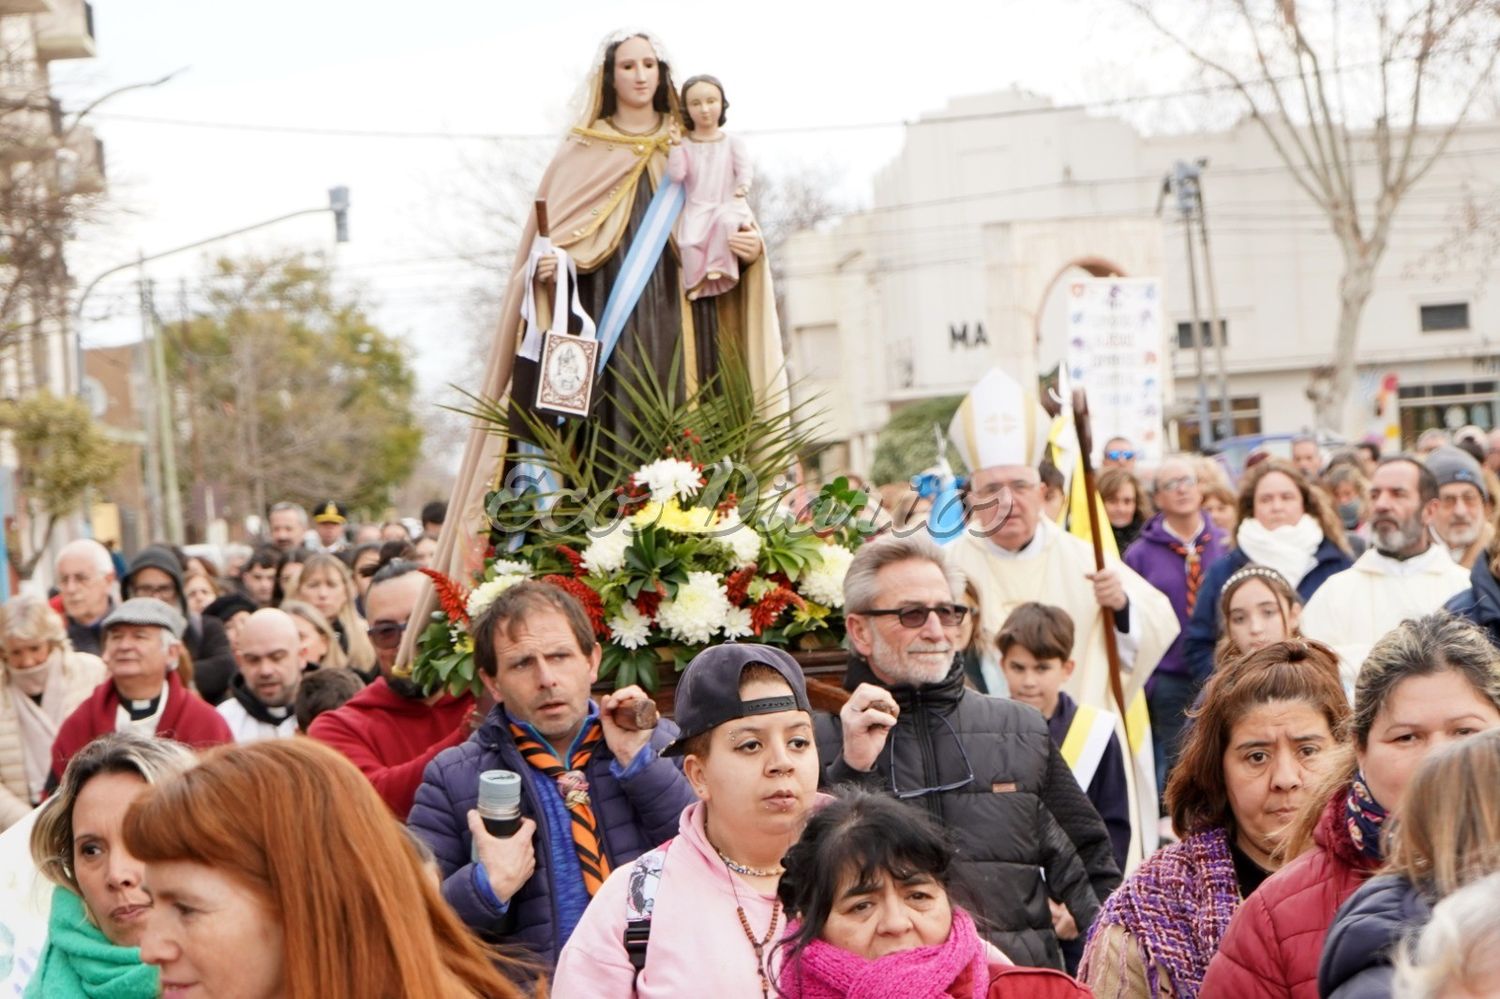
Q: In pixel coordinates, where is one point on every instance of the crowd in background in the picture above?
(233, 790)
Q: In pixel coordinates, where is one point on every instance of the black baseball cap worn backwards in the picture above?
(708, 695)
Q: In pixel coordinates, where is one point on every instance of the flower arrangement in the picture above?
(672, 573)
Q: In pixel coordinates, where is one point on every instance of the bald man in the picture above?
(262, 694)
(85, 580)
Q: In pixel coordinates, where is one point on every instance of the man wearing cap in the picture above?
(1461, 521)
(1012, 555)
(596, 792)
(329, 521)
(264, 691)
(155, 572)
(984, 767)
(1404, 574)
(143, 694)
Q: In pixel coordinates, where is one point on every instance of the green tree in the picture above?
(61, 454)
(906, 445)
(287, 391)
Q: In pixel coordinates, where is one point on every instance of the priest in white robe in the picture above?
(1012, 554)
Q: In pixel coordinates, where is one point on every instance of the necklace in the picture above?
(759, 946)
(750, 872)
(626, 131)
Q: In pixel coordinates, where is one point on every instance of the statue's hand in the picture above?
(746, 244)
(546, 269)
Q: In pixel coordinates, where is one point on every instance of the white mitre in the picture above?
(1000, 423)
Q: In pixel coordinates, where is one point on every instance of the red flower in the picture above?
(574, 559)
(737, 585)
(454, 599)
(731, 502)
(769, 608)
(647, 602)
(586, 596)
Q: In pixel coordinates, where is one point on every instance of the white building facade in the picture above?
(959, 263)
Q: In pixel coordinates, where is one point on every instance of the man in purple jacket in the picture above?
(1172, 553)
(596, 792)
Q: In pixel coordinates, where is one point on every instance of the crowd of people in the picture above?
(233, 791)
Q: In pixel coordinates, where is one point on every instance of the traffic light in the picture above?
(338, 203)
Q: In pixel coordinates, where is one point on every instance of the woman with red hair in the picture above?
(276, 870)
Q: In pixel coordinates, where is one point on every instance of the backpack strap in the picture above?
(640, 901)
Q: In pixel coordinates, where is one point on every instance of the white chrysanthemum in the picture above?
(668, 479)
(509, 567)
(737, 623)
(697, 611)
(742, 539)
(824, 582)
(606, 553)
(630, 629)
(485, 593)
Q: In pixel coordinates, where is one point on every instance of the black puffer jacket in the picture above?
(1361, 942)
(1023, 814)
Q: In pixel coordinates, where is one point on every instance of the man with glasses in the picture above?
(1120, 453)
(984, 767)
(85, 579)
(1174, 549)
(1461, 520)
(391, 730)
(1012, 555)
(155, 572)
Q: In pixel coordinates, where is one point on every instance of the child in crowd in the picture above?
(323, 690)
(1035, 644)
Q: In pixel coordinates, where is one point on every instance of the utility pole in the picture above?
(1226, 415)
(1183, 181)
(151, 399)
(167, 448)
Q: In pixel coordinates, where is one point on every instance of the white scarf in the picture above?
(1291, 550)
(37, 724)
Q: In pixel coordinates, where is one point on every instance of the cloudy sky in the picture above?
(278, 100)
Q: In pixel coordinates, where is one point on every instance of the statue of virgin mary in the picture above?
(601, 193)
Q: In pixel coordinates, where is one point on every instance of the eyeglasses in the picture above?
(917, 792)
(991, 490)
(387, 634)
(1119, 455)
(914, 617)
(163, 592)
(1461, 499)
(1180, 482)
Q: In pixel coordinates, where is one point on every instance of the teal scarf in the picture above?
(79, 962)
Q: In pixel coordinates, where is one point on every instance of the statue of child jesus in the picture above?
(715, 172)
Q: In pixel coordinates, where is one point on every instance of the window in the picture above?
(1445, 406)
(1185, 334)
(1441, 318)
(1244, 412)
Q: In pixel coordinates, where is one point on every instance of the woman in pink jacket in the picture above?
(699, 916)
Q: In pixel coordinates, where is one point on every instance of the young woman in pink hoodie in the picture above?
(702, 911)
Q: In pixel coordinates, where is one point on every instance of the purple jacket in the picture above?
(1152, 556)
(637, 813)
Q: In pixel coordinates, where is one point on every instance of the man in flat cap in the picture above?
(1461, 519)
(143, 693)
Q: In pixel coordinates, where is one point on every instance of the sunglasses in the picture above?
(914, 617)
(387, 634)
(1118, 455)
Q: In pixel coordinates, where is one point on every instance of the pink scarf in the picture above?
(823, 971)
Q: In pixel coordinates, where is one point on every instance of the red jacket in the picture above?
(187, 718)
(392, 738)
(1274, 943)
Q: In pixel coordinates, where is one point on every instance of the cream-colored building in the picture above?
(992, 198)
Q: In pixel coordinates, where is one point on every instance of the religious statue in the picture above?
(715, 171)
(610, 208)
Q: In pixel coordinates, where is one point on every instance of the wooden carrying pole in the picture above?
(542, 228)
(1086, 450)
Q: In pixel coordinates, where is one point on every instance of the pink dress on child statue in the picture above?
(710, 172)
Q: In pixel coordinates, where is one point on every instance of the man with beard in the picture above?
(1405, 574)
(1461, 519)
(391, 730)
(270, 671)
(984, 768)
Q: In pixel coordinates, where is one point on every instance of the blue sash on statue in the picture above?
(640, 263)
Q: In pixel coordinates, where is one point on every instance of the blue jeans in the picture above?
(1167, 700)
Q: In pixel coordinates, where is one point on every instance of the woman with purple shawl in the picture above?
(1262, 731)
